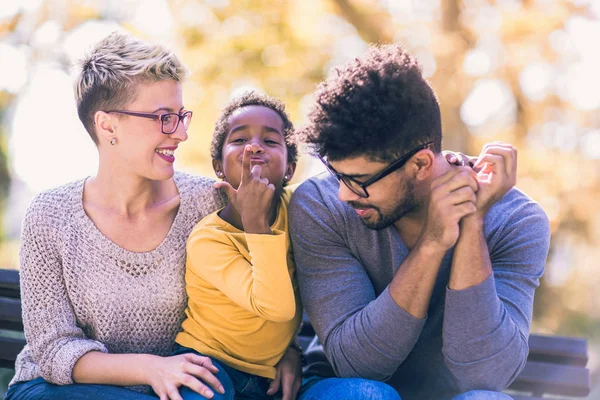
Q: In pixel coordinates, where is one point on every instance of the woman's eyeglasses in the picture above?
(169, 121)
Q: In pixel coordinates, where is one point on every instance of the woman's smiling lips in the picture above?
(166, 153)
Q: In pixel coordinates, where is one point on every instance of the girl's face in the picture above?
(143, 148)
(262, 128)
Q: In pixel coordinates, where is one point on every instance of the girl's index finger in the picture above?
(246, 165)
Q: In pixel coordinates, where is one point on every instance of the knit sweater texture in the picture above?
(81, 292)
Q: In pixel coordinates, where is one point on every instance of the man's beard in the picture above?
(406, 204)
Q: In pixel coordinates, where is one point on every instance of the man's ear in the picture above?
(289, 171)
(422, 164)
(105, 129)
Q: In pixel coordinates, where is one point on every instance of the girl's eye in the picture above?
(238, 140)
(275, 141)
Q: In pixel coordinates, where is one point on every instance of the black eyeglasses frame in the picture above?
(394, 166)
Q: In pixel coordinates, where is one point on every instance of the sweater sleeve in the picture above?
(261, 283)
(363, 335)
(50, 327)
(486, 327)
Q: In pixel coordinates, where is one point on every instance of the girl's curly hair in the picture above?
(253, 99)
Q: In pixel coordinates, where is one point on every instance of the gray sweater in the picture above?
(471, 339)
(81, 292)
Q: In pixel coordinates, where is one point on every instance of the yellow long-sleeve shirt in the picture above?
(243, 300)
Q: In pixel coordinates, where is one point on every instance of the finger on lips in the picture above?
(256, 171)
(246, 162)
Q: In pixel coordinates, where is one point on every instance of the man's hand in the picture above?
(453, 196)
(288, 375)
(496, 169)
(458, 159)
(253, 197)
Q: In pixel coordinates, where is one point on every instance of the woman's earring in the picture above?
(286, 178)
(113, 141)
(220, 174)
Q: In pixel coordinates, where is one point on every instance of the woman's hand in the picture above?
(167, 374)
(288, 376)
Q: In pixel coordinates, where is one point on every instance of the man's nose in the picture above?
(345, 194)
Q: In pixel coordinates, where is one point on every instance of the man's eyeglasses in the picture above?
(169, 121)
(360, 188)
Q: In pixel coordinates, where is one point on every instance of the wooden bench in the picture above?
(11, 323)
(555, 365)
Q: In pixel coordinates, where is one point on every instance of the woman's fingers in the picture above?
(202, 367)
(191, 381)
(173, 394)
(202, 361)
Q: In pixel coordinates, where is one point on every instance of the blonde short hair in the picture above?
(110, 73)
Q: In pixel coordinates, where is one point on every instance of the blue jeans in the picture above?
(482, 395)
(314, 388)
(39, 389)
(237, 384)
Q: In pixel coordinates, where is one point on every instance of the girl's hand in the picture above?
(167, 374)
(253, 197)
(288, 375)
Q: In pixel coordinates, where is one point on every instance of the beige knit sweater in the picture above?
(81, 292)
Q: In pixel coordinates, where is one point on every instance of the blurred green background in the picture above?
(526, 72)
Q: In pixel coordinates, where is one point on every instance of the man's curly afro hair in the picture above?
(378, 105)
(253, 99)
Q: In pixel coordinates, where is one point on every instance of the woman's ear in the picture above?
(289, 171)
(218, 168)
(105, 129)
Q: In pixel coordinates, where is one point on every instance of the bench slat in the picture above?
(566, 380)
(558, 349)
(9, 283)
(9, 349)
(10, 314)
